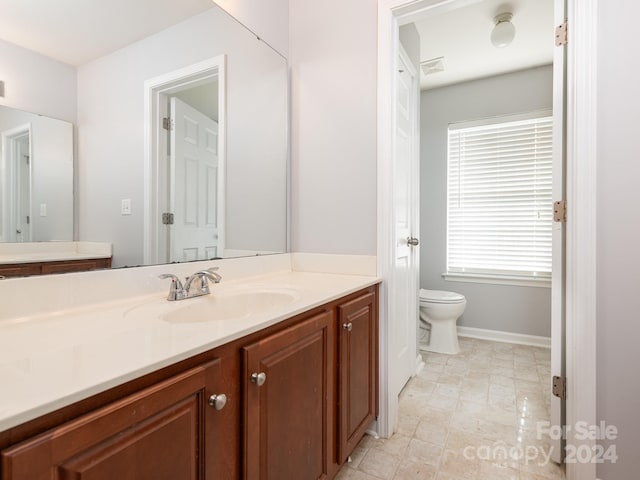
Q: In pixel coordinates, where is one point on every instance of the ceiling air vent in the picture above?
(432, 66)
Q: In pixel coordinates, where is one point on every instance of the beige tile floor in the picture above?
(471, 416)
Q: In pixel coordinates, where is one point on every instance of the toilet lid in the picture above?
(440, 296)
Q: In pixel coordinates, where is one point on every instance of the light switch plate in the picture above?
(43, 209)
(125, 206)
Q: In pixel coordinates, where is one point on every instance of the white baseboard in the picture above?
(508, 337)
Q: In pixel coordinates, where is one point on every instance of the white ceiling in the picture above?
(78, 31)
(461, 36)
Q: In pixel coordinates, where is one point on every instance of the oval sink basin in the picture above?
(227, 306)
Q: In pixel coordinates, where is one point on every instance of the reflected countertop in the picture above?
(36, 252)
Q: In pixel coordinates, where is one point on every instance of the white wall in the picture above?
(618, 241)
(110, 134)
(333, 58)
(515, 309)
(51, 165)
(410, 40)
(52, 179)
(36, 83)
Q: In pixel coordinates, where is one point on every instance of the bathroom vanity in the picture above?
(46, 258)
(273, 395)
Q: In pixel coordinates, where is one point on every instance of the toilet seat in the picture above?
(440, 296)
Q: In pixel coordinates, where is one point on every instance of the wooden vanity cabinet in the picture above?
(288, 383)
(48, 268)
(163, 431)
(357, 370)
(300, 419)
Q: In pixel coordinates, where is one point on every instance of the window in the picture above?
(499, 205)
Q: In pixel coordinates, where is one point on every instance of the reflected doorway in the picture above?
(185, 151)
(16, 184)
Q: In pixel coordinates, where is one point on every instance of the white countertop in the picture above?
(32, 252)
(51, 360)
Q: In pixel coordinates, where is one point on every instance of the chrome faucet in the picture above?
(190, 289)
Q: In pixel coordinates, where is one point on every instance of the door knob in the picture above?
(413, 241)
(347, 326)
(218, 401)
(259, 378)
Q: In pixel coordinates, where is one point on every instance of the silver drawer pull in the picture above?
(259, 378)
(218, 401)
(347, 326)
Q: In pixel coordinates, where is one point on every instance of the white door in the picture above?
(558, 337)
(195, 193)
(404, 288)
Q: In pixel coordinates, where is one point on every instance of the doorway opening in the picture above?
(402, 13)
(16, 184)
(185, 131)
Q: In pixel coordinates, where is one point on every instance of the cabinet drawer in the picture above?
(20, 270)
(75, 266)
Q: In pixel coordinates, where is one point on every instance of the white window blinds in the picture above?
(499, 213)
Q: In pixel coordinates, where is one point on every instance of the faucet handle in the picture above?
(176, 291)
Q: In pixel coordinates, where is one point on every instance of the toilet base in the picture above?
(443, 337)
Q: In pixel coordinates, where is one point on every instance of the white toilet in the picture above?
(440, 311)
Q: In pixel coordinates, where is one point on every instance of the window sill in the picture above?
(498, 279)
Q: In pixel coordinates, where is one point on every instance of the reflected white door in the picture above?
(558, 336)
(15, 185)
(404, 288)
(195, 193)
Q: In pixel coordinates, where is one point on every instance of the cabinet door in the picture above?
(357, 371)
(162, 432)
(288, 413)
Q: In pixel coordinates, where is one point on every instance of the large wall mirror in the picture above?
(178, 145)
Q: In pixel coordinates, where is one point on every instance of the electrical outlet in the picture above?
(43, 209)
(125, 207)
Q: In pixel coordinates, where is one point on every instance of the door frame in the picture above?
(9, 174)
(155, 141)
(581, 230)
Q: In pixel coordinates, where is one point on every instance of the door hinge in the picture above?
(561, 34)
(560, 387)
(167, 218)
(28, 220)
(560, 211)
(167, 123)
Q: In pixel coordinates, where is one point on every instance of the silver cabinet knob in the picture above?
(259, 378)
(347, 326)
(413, 241)
(218, 401)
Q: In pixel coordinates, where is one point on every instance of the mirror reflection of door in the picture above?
(193, 183)
(16, 199)
(186, 121)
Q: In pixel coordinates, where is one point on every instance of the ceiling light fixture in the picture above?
(504, 31)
